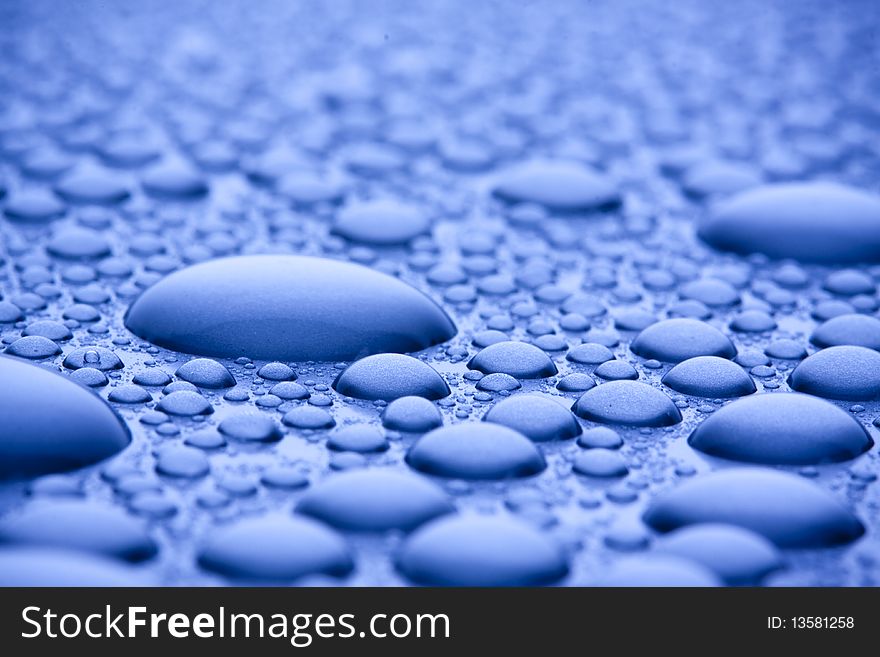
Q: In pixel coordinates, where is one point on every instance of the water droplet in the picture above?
(784, 508)
(481, 551)
(558, 186)
(286, 307)
(709, 376)
(781, 428)
(536, 417)
(381, 222)
(129, 394)
(675, 340)
(660, 571)
(99, 358)
(517, 359)
(390, 376)
(362, 438)
(629, 403)
(844, 372)
(375, 500)
(811, 222)
(32, 566)
(205, 373)
(737, 555)
(185, 403)
(92, 187)
(80, 525)
(275, 547)
(33, 347)
(411, 414)
(849, 329)
(51, 424)
(476, 451)
(600, 462)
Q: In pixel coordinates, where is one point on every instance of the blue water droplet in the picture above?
(781, 428)
(129, 394)
(33, 207)
(79, 525)
(811, 222)
(52, 425)
(35, 566)
(675, 340)
(185, 403)
(33, 347)
(205, 373)
(737, 555)
(381, 222)
(99, 358)
(558, 186)
(481, 551)
(659, 571)
(92, 187)
(629, 403)
(375, 500)
(843, 372)
(709, 376)
(848, 329)
(600, 462)
(537, 417)
(181, 461)
(476, 451)
(275, 547)
(784, 508)
(361, 438)
(390, 376)
(308, 417)
(518, 359)
(411, 414)
(286, 307)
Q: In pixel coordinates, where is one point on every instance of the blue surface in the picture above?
(384, 293)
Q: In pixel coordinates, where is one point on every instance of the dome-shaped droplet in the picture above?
(381, 222)
(50, 424)
(44, 567)
(361, 438)
(737, 555)
(784, 508)
(709, 376)
(660, 571)
(411, 414)
(33, 347)
(629, 403)
(781, 428)
(76, 242)
(390, 376)
(175, 182)
(33, 207)
(537, 417)
(849, 329)
(79, 525)
(843, 372)
(92, 187)
(675, 340)
(557, 185)
(185, 403)
(518, 359)
(473, 550)
(99, 358)
(375, 500)
(286, 308)
(205, 373)
(275, 547)
(811, 222)
(250, 427)
(476, 450)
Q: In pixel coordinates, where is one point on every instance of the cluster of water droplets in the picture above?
(445, 311)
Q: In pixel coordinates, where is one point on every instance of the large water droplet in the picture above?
(537, 417)
(390, 376)
(849, 329)
(481, 551)
(811, 222)
(675, 340)
(840, 373)
(79, 525)
(781, 428)
(782, 507)
(518, 359)
(375, 500)
(381, 222)
(557, 185)
(627, 402)
(275, 547)
(737, 555)
(476, 451)
(709, 376)
(286, 308)
(52, 425)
